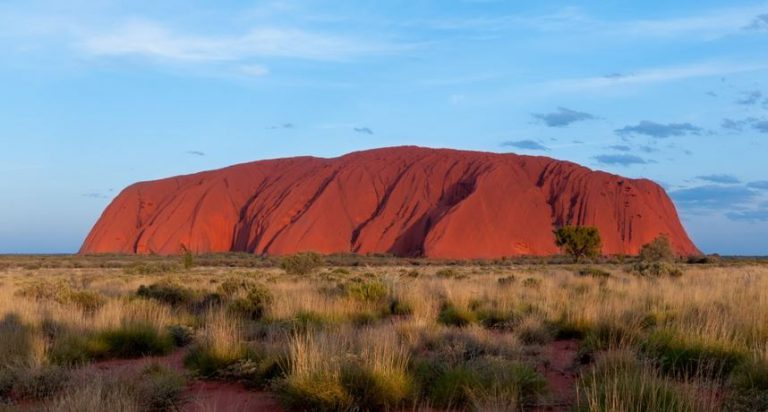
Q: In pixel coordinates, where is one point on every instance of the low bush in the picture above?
(506, 280)
(657, 269)
(593, 272)
(131, 340)
(317, 392)
(254, 305)
(301, 263)
(449, 273)
(167, 292)
(152, 268)
(62, 292)
(681, 356)
(478, 381)
(253, 371)
(181, 335)
(373, 291)
(376, 390)
(399, 307)
(621, 383)
(34, 383)
(159, 388)
(532, 283)
(453, 315)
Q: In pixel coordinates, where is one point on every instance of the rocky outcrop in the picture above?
(407, 201)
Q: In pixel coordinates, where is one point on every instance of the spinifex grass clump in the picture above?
(621, 383)
(333, 371)
(685, 356)
(129, 340)
(481, 382)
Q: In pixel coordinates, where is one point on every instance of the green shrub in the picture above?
(318, 392)
(506, 280)
(399, 307)
(88, 301)
(593, 272)
(532, 283)
(255, 305)
(373, 390)
(658, 250)
(252, 371)
(39, 382)
(62, 292)
(371, 291)
(680, 356)
(579, 241)
(150, 268)
(167, 292)
(159, 388)
(476, 380)
(657, 269)
(207, 363)
(231, 286)
(620, 383)
(751, 376)
(449, 273)
(187, 259)
(301, 263)
(452, 315)
(132, 340)
(181, 335)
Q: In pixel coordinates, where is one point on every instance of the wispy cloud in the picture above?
(254, 70)
(759, 184)
(363, 130)
(155, 40)
(761, 126)
(620, 159)
(195, 153)
(282, 126)
(750, 98)
(525, 144)
(720, 178)
(759, 215)
(659, 130)
(562, 117)
(653, 76)
(713, 196)
(620, 148)
(95, 195)
(759, 23)
(705, 25)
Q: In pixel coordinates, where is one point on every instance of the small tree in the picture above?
(658, 250)
(579, 241)
(187, 258)
(657, 258)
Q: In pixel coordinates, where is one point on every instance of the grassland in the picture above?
(378, 333)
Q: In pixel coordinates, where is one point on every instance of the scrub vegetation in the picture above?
(329, 333)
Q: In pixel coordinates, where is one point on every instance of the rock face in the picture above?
(406, 201)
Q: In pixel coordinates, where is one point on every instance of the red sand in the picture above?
(560, 374)
(200, 395)
(407, 201)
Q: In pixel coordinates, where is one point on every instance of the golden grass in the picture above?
(710, 306)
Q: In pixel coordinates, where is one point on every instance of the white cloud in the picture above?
(706, 25)
(650, 76)
(150, 39)
(254, 70)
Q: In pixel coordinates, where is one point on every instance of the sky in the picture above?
(98, 94)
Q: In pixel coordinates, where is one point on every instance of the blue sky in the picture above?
(97, 94)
